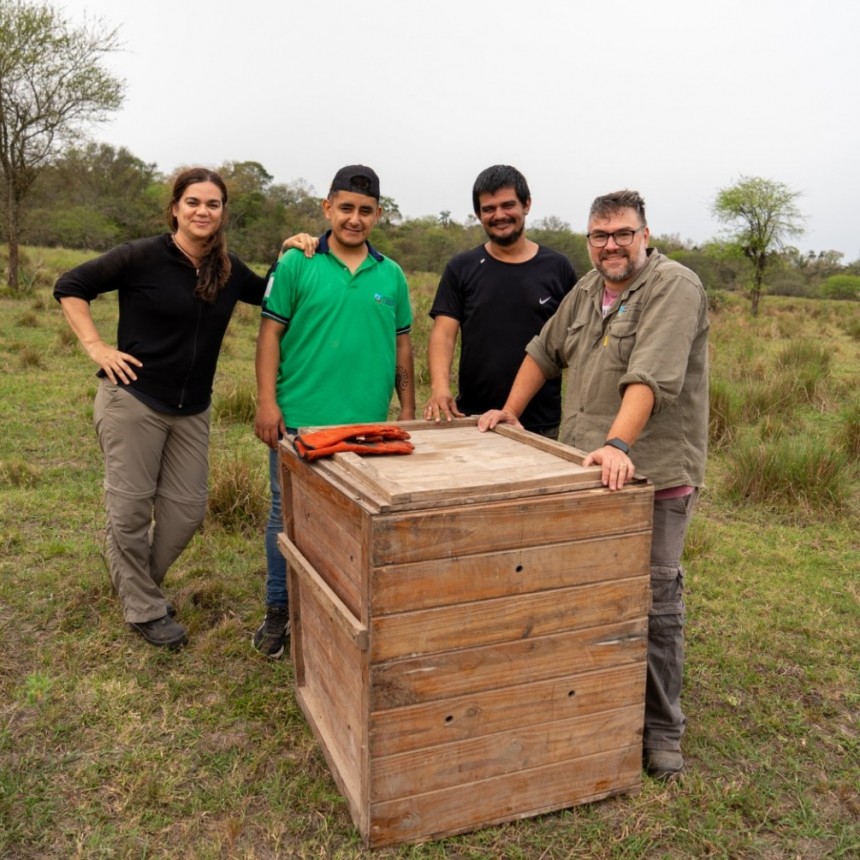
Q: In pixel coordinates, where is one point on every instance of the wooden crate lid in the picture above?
(453, 463)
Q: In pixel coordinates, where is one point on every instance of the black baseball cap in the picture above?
(356, 178)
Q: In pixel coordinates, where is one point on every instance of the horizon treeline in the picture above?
(97, 196)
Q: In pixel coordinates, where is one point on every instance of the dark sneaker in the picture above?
(272, 634)
(162, 631)
(663, 764)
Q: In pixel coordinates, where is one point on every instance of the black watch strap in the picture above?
(620, 444)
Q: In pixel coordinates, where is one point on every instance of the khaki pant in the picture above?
(664, 720)
(156, 474)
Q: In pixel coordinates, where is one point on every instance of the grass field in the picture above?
(112, 749)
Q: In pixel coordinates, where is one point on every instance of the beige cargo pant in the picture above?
(156, 474)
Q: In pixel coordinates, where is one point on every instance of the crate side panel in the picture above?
(454, 673)
(444, 721)
(523, 794)
(328, 532)
(523, 616)
(495, 526)
(524, 748)
(522, 570)
(333, 689)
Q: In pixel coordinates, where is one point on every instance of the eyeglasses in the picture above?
(598, 238)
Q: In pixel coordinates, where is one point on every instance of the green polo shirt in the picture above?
(338, 351)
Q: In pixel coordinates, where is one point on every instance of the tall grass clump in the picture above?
(237, 405)
(30, 357)
(725, 412)
(17, 473)
(238, 495)
(848, 433)
(800, 475)
(809, 365)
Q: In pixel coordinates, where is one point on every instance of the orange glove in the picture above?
(360, 438)
(381, 447)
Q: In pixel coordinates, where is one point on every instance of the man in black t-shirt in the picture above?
(499, 294)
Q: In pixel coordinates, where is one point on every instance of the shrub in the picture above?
(841, 287)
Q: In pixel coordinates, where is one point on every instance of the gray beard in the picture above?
(628, 271)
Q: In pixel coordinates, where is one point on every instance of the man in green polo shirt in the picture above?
(334, 341)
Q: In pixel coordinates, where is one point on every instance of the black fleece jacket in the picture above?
(175, 335)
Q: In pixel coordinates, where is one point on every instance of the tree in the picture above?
(761, 214)
(93, 196)
(52, 85)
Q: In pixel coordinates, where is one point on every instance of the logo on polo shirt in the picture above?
(385, 300)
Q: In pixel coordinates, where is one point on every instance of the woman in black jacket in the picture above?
(176, 294)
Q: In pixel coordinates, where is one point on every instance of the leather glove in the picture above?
(359, 438)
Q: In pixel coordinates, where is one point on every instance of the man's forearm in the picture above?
(267, 361)
(636, 406)
(404, 376)
(528, 381)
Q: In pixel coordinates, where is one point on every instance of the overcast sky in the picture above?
(675, 98)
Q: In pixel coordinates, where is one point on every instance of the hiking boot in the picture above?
(663, 764)
(162, 631)
(272, 634)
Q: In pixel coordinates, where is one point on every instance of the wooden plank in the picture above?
(343, 772)
(335, 696)
(456, 531)
(462, 717)
(523, 570)
(455, 673)
(517, 795)
(522, 748)
(337, 612)
(503, 619)
(328, 533)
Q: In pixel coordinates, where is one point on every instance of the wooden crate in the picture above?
(469, 628)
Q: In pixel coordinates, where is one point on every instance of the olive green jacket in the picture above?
(656, 333)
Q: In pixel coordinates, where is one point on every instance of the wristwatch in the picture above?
(620, 444)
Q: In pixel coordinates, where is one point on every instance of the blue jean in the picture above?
(276, 564)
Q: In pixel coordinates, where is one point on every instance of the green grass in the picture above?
(112, 749)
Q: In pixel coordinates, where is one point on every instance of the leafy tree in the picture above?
(52, 84)
(94, 196)
(391, 213)
(841, 287)
(761, 214)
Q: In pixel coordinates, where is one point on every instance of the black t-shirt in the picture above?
(500, 308)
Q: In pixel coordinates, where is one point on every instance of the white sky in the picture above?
(675, 98)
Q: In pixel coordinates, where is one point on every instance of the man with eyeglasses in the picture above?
(634, 335)
(496, 297)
